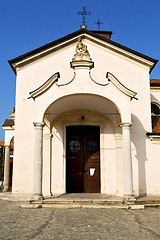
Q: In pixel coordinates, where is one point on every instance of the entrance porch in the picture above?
(114, 161)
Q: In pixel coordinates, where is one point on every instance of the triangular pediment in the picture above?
(73, 37)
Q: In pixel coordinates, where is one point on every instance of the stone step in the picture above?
(78, 201)
(149, 201)
(89, 203)
(72, 204)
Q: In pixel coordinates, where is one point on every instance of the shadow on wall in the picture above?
(153, 98)
(138, 137)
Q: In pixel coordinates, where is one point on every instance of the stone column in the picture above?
(127, 162)
(6, 169)
(38, 160)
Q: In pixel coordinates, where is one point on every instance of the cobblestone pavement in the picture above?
(18, 223)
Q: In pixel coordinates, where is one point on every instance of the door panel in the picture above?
(92, 161)
(74, 161)
(83, 159)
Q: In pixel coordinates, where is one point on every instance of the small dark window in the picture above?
(92, 146)
(155, 109)
(74, 146)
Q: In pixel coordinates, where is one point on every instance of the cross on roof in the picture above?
(84, 13)
(98, 23)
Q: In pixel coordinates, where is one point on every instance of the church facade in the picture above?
(83, 119)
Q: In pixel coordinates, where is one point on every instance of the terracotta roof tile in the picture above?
(156, 124)
(8, 122)
(155, 82)
(1, 143)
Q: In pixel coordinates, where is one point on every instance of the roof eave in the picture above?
(46, 46)
(67, 37)
(156, 61)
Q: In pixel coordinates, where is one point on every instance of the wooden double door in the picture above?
(83, 159)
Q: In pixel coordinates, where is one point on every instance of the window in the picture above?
(155, 112)
(155, 109)
(74, 146)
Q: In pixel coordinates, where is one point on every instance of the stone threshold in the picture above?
(87, 200)
(92, 201)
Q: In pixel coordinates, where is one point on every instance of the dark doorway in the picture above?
(83, 159)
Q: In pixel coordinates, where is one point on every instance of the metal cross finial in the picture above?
(98, 23)
(84, 13)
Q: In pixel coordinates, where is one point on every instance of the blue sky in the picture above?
(26, 25)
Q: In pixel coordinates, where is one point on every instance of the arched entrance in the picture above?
(88, 119)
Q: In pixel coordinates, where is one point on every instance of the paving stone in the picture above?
(28, 205)
(18, 223)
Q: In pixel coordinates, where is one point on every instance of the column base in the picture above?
(36, 197)
(129, 197)
(5, 189)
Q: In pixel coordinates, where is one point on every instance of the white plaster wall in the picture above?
(119, 163)
(130, 73)
(37, 73)
(9, 134)
(152, 168)
(155, 95)
(24, 139)
(145, 160)
(139, 155)
(46, 173)
(109, 151)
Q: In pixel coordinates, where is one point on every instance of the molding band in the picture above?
(61, 85)
(126, 125)
(120, 86)
(45, 86)
(101, 84)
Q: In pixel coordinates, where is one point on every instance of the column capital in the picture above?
(6, 146)
(38, 124)
(126, 125)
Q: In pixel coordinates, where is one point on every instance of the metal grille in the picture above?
(156, 124)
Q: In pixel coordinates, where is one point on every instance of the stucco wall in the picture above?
(132, 74)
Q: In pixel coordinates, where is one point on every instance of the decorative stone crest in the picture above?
(82, 57)
(81, 52)
(12, 114)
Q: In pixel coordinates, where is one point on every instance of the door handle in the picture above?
(79, 173)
